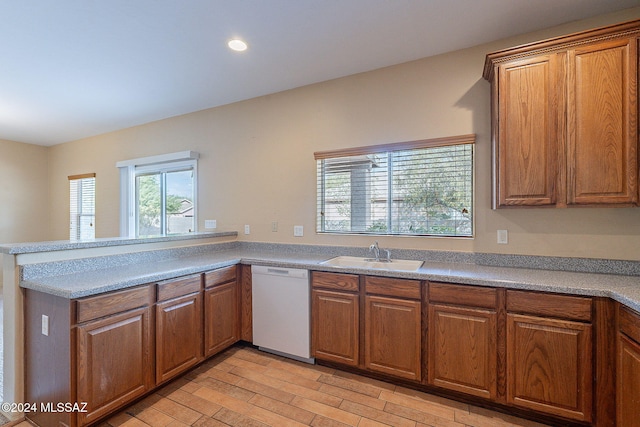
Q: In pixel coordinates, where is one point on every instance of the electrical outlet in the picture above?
(274, 226)
(247, 229)
(45, 325)
(503, 237)
(298, 230)
(210, 223)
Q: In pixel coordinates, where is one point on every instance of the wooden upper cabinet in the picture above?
(602, 124)
(528, 134)
(565, 120)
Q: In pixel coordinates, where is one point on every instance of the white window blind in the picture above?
(415, 188)
(82, 206)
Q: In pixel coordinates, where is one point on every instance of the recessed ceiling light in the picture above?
(237, 45)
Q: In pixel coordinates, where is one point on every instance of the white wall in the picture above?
(24, 199)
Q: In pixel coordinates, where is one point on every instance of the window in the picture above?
(82, 207)
(414, 188)
(159, 195)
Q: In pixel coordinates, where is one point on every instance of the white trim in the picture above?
(161, 158)
(127, 202)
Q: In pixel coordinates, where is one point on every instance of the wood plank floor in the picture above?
(246, 387)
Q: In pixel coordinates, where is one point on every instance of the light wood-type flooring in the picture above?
(246, 387)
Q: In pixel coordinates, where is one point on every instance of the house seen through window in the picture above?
(165, 202)
(415, 188)
(82, 207)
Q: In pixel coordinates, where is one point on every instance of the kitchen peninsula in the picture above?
(601, 291)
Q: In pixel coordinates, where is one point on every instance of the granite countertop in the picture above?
(622, 288)
(62, 245)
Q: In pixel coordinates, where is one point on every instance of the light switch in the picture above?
(210, 223)
(298, 230)
(503, 237)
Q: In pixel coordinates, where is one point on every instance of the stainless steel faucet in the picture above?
(376, 250)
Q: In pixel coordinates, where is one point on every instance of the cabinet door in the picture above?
(114, 362)
(221, 317)
(462, 349)
(335, 324)
(549, 366)
(628, 382)
(602, 124)
(528, 137)
(178, 335)
(393, 336)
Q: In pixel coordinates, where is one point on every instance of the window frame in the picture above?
(385, 149)
(129, 169)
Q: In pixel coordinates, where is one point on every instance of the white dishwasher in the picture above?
(281, 304)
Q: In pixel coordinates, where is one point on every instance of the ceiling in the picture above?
(70, 69)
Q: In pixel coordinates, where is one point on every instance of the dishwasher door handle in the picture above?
(282, 272)
(278, 272)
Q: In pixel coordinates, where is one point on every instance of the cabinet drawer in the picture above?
(629, 322)
(337, 281)
(471, 296)
(179, 287)
(113, 302)
(387, 286)
(549, 305)
(219, 276)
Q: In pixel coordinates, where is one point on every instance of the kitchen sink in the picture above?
(371, 263)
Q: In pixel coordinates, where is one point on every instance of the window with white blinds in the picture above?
(82, 206)
(414, 188)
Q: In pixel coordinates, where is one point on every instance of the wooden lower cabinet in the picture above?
(393, 336)
(178, 326)
(114, 362)
(628, 382)
(178, 335)
(222, 309)
(376, 326)
(222, 325)
(550, 353)
(463, 353)
(109, 349)
(463, 335)
(393, 326)
(335, 317)
(335, 326)
(628, 369)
